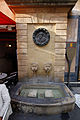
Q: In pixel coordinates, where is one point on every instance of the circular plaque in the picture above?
(41, 36)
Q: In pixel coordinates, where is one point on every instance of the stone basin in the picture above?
(40, 98)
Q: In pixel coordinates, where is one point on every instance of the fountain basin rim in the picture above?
(44, 105)
(43, 102)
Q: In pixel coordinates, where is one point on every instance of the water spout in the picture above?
(47, 68)
(34, 68)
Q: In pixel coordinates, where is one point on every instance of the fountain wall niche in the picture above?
(41, 42)
(41, 48)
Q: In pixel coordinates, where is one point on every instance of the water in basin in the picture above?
(42, 92)
(40, 98)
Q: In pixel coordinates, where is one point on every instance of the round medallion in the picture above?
(41, 36)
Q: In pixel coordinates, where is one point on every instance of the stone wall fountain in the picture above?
(41, 40)
(37, 94)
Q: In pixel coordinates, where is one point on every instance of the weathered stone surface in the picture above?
(59, 62)
(42, 105)
(59, 57)
(61, 32)
(21, 32)
(60, 38)
(60, 45)
(22, 74)
(24, 20)
(60, 51)
(22, 38)
(32, 93)
(41, 2)
(48, 13)
(21, 26)
(22, 51)
(22, 56)
(49, 93)
(58, 20)
(30, 19)
(41, 94)
(22, 62)
(22, 68)
(22, 45)
(61, 26)
(58, 68)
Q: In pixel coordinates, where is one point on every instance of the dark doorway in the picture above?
(8, 56)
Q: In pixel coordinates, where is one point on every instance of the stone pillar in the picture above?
(22, 49)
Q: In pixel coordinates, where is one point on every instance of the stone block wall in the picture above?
(42, 16)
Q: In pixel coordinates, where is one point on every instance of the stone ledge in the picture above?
(41, 2)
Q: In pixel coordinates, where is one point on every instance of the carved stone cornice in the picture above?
(41, 2)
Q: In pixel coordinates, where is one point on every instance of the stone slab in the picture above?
(32, 93)
(49, 93)
(41, 93)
